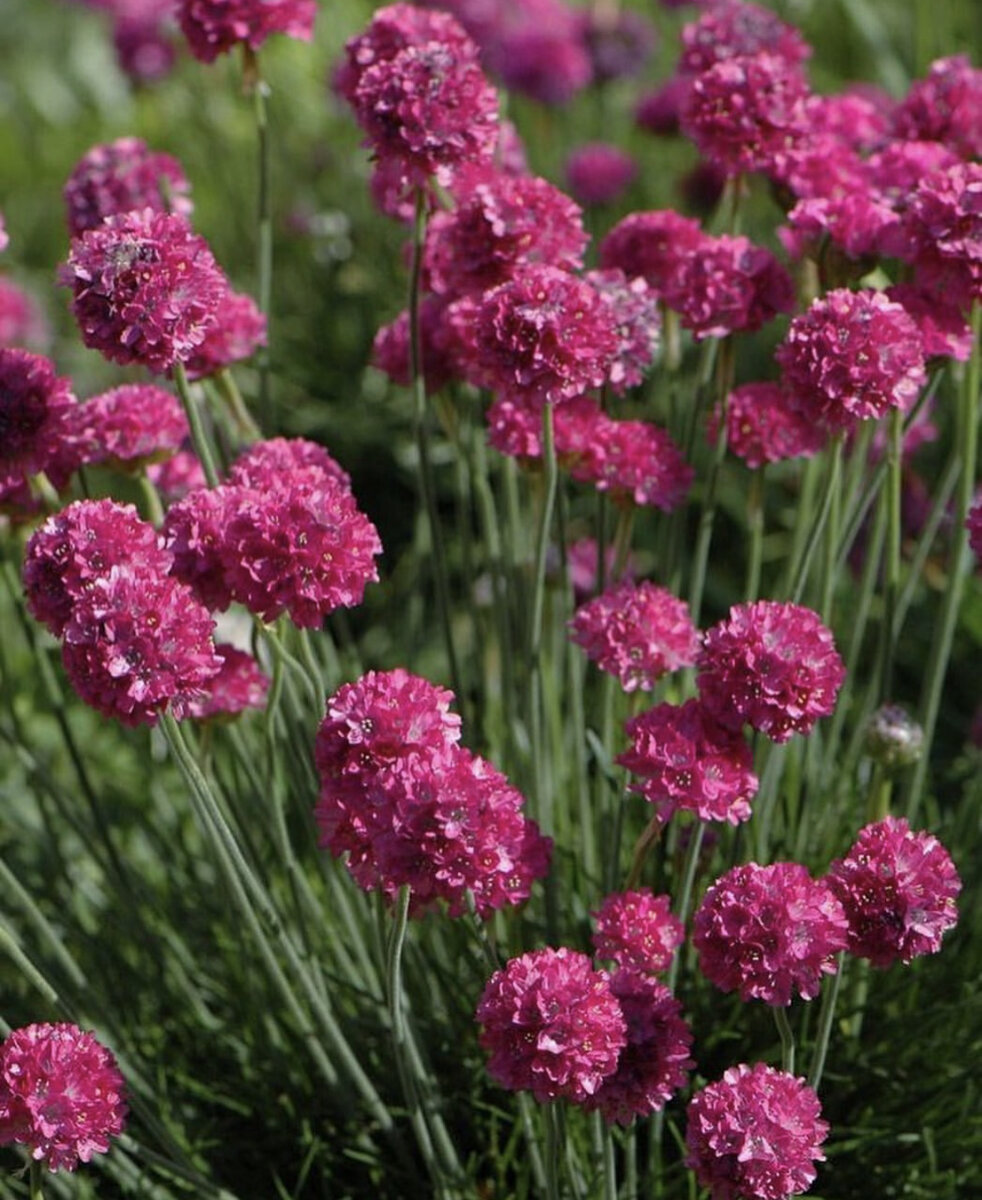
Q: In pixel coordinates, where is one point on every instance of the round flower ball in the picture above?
(551, 1025)
(755, 1135)
(120, 176)
(898, 890)
(61, 1094)
(769, 932)
(36, 407)
(638, 931)
(763, 426)
(771, 665)
(131, 425)
(598, 173)
(214, 27)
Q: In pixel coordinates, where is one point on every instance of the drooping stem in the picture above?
(202, 447)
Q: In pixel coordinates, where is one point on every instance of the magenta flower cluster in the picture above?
(638, 931)
(123, 176)
(214, 27)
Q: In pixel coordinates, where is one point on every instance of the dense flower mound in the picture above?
(130, 425)
(944, 331)
(859, 225)
(79, 545)
(898, 890)
(238, 331)
(652, 244)
(945, 107)
(21, 321)
(177, 476)
(120, 176)
(755, 1135)
(546, 334)
(240, 684)
(391, 351)
(736, 29)
(744, 113)
(61, 1094)
(551, 1025)
(137, 643)
(636, 632)
(684, 759)
(655, 1062)
(974, 521)
(769, 932)
(145, 288)
(944, 224)
(771, 665)
(214, 27)
(634, 308)
(499, 224)
(763, 426)
(727, 286)
(36, 408)
(852, 357)
(598, 173)
(267, 463)
(637, 463)
(638, 931)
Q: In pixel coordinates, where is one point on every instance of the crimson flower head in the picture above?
(61, 1094)
(145, 288)
(638, 931)
(598, 173)
(214, 27)
(898, 890)
(769, 932)
(238, 330)
(637, 632)
(771, 665)
(552, 1025)
(762, 426)
(652, 244)
(736, 29)
(117, 177)
(755, 1134)
(130, 425)
(945, 107)
(36, 408)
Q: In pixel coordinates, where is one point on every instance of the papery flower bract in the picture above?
(636, 632)
(898, 890)
(61, 1094)
(762, 426)
(685, 760)
(237, 332)
(240, 684)
(551, 1025)
(755, 1134)
(769, 932)
(638, 930)
(771, 665)
(651, 244)
(120, 176)
(598, 173)
(145, 288)
(36, 408)
(130, 425)
(655, 1061)
(736, 29)
(852, 357)
(214, 27)
(634, 306)
(945, 107)
(77, 546)
(138, 643)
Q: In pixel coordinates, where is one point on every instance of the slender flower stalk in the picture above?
(834, 471)
(202, 446)
(786, 1034)
(891, 583)
(826, 1018)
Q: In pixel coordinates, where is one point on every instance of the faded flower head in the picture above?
(61, 1094)
(551, 1025)
(769, 932)
(763, 426)
(755, 1135)
(214, 27)
(636, 632)
(770, 665)
(131, 425)
(145, 288)
(638, 931)
(120, 176)
(898, 890)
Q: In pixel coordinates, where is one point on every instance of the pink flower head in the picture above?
(240, 684)
(542, 55)
(598, 173)
(685, 760)
(655, 1062)
(177, 476)
(515, 428)
(146, 289)
(238, 330)
(861, 120)
(79, 545)
(390, 350)
(762, 426)
(131, 425)
(265, 465)
(545, 333)
(898, 890)
(638, 931)
(636, 632)
(4, 236)
(637, 462)
(816, 165)
(744, 113)
(500, 224)
(143, 48)
(194, 533)
(61, 1094)
(770, 665)
(851, 357)
(551, 1025)
(944, 331)
(755, 1135)
(857, 225)
(137, 643)
(214, 27)
(21, 320)
(895, 172)
(652, 244)
(634, 307)
(769, 932)
(36, 408)
(658, 111)
(944, 226)
(945, 107)
(728, 285)
(118, 177)
(735, 30)
(582, 559)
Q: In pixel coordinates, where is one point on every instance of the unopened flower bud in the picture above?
(893, 737)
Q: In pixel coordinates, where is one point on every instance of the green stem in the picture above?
(755, 527)
(603, 1152)
(825, 1020)
(151, 498)
(228, 389)
(685, 897)
(787, 1038)
(651, 834)
(36, 1191)
(800, 577)
(536, 716)
(724, 373)
(550, 1114)
(202, 446)
(891, 584)
(264, 231)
